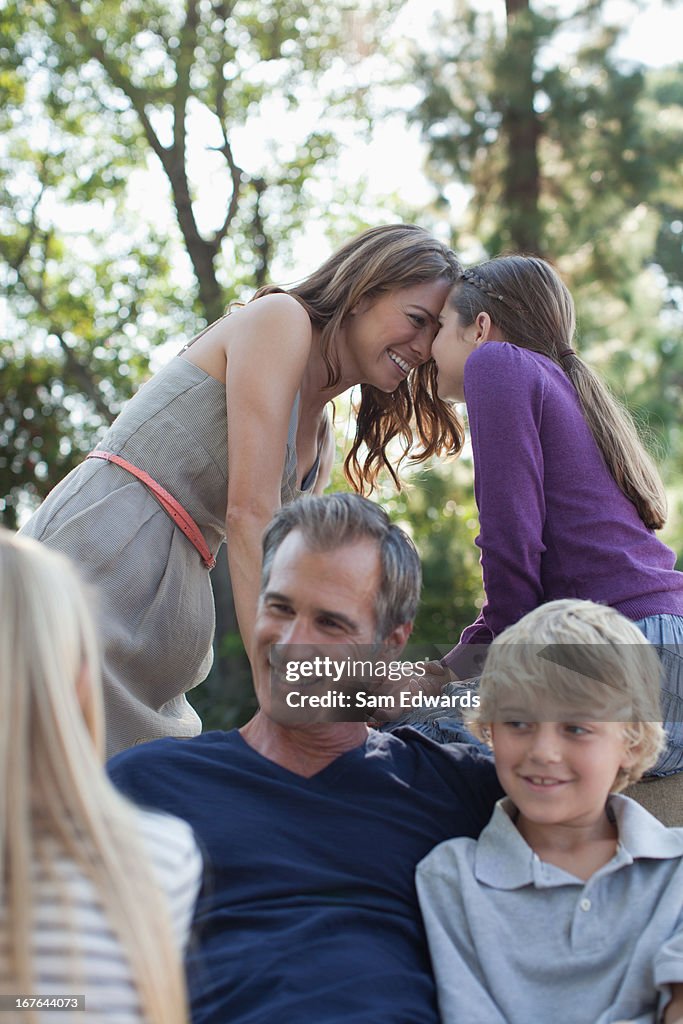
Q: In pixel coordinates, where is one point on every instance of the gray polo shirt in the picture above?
(515, 940)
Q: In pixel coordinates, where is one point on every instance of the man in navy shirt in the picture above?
(312, 825)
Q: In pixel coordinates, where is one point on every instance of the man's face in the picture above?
(320, 603)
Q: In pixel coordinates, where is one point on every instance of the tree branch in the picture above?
(237, 175)
(82, 377)
(183, 66)
(261, 241)
(200, 251)
(22, 255)
(223, 11)
(136, 96)
(78, 370)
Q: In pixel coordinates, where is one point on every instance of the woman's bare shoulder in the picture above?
(255, 327)
(277, 305)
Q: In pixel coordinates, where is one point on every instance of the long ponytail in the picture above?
(617, 438)
(527, 300)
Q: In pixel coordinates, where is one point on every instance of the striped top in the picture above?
(76, 950)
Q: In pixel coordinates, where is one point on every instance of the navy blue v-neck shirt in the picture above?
(309, 911)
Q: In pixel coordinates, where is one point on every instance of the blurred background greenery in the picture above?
(161, 159)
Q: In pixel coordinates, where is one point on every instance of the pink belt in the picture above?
(182, 519)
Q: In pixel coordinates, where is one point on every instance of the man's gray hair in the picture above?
(329, 522)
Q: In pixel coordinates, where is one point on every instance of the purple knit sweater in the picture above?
(553, 522)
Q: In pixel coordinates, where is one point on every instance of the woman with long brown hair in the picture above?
(230, 429)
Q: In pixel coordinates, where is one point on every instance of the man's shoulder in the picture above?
(152, 760)
(458, 856)
(453, 760)
(449, 861)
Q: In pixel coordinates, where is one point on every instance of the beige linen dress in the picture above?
(155, 600)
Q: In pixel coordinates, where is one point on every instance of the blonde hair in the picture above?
(528, 301)
(51, 776)
(578, 656)
(380, 260)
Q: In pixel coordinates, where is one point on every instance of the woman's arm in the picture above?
(269, 348)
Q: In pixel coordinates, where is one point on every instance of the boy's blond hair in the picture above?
(578, 658)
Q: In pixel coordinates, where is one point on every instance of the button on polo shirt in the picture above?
(515, 940)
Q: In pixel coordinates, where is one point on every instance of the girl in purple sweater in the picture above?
(568, 498)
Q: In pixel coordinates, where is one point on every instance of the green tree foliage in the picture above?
(571, 152)
(557, 137)
(557, 145)
(438, 510)
(96, 92)
(99, 96)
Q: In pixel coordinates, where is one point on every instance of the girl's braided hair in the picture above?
(532, 308)
(482, 284)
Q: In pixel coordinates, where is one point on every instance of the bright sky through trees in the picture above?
(391, 161)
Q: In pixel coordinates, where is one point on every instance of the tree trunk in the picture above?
(521, 131)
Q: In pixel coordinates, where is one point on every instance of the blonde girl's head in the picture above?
(49, 663)
(578, 660)
(52, 777)
(531, 307)
(381, 260)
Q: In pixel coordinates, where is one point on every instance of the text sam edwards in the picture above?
(373, 701)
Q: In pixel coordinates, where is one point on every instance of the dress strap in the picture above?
(182, 519)
(203, 331)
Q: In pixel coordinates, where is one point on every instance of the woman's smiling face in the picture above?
(387, 336)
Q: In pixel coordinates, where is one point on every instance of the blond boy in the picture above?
(569, 907)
